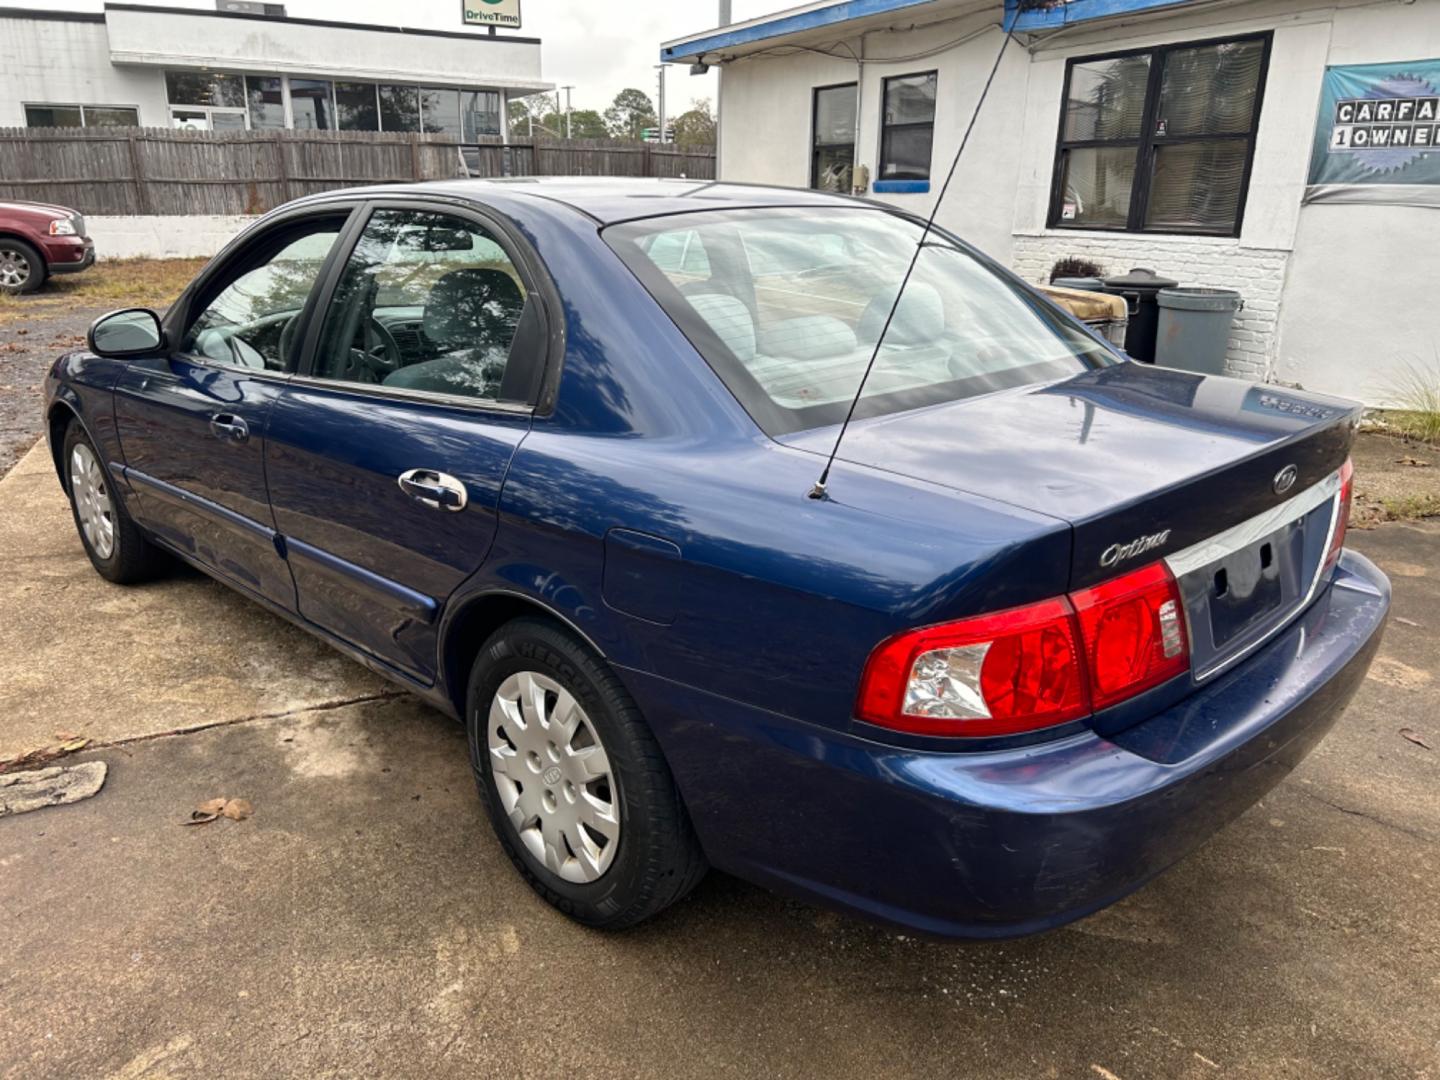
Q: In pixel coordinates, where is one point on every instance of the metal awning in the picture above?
(828, 20)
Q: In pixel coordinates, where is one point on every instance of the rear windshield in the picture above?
(786, 305)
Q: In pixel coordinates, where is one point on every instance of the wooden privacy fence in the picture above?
(159, 171)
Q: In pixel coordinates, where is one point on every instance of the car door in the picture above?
(191, 421)
(386, 453)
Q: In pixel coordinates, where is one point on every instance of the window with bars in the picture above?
(1160, 140)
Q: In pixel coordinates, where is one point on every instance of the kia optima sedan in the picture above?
(545, 453)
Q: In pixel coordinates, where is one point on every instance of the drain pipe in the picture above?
(856, 187)
(725, 20)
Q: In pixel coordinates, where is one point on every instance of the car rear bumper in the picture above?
(69, 254)
(1010, 842)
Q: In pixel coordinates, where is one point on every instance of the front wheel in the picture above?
(22, 270)
(116, 547)
(575, 784)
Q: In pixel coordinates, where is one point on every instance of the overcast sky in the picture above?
(600, 48)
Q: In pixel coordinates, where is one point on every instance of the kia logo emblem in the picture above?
(1285, 479)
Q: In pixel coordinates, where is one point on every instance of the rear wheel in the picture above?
(117, 549)
(576, 786)
(22, 270)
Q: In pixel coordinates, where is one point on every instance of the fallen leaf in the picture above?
(238, 809)
(69, 746)
(197, 818)
(1413, 462)
(1409, 733)
(211, 806)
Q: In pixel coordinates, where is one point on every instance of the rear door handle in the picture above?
(434, 489)
(229, 427)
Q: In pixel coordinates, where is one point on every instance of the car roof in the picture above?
(607, 200)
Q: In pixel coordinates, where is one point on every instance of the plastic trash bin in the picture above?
(1194, 329)
(1088, 284)
(1139, 288)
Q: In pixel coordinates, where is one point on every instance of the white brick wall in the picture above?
(1257, 273)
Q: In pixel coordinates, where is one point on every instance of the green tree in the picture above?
(695, 127)
(630, 113)
(587, 124)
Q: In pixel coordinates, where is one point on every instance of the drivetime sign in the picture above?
(491, 13)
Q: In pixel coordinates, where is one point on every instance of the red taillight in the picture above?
(1134, 633)
(1030, 667)
(997, 674)
(1342, 517)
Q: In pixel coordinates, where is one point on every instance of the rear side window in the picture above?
(788, 304)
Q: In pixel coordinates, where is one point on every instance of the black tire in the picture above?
(658, 859)
(20, 254)
(132, 557)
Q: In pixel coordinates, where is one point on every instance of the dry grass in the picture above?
(1411, 507)
(1417, 389)
(118, 283)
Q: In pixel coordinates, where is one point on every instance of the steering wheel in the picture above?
(381, 354)
(287, 339)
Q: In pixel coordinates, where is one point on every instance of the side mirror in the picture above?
(128, 332)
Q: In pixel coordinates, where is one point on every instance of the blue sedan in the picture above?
(545, 453)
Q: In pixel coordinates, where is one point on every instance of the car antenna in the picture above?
(818, 491)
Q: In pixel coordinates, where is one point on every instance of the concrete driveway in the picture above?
(366, 922)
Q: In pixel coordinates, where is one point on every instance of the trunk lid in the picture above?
(1143, 462)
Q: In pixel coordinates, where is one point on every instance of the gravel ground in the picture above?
(27, 349)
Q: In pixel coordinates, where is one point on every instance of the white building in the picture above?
(255, 68)
(1159, 133)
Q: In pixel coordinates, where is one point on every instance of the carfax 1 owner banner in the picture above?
(1377, 138)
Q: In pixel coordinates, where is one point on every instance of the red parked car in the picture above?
(37, 240)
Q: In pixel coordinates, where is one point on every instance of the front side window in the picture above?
(427, 301)
(787, 306)
(253, 319)
(832, 152)
(1160, 140)
(909, 127)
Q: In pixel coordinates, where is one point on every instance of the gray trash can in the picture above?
(1194, 329)
(1089, 284)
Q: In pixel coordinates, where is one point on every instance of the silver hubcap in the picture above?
(553, 776)
(92, 501)
(14, 268)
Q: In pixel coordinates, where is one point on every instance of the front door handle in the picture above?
(434, 489)
(229, 428)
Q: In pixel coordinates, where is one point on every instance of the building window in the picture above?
(356, 106)
(311, 106)
(205, 88)
(399, 108)
(440, 110)
(479, 114)
(832, 139)
(265, 95)
(909, 127)
(1160, 140)
(81, 116)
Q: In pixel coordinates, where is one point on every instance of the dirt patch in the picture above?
(1396, 479)
(35, 329)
